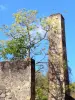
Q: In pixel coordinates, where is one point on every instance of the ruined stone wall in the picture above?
(17, 80)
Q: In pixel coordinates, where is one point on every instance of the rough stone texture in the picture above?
(58, 69)
(16, 80)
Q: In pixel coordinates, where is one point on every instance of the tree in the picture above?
(24, 36)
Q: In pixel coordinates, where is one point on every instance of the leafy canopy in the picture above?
(23, 34)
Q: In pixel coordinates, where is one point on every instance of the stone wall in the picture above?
(17, 80)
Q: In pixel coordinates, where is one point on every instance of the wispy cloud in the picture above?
(3, 7)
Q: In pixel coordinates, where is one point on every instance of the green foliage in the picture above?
(40, 94)
(16, 48)
(72, 87)
(23, 35)
(41, 87)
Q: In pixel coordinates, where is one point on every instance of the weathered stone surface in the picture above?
(2, 95)
(58, 70)
(2, 98)
(0, 92)
(16, 80)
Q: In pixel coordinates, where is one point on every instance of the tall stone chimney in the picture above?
(58, 69)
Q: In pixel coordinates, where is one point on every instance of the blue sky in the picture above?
(45, 8)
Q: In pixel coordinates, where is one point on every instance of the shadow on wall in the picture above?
(69, 97)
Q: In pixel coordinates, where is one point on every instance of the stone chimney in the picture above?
(58, 68)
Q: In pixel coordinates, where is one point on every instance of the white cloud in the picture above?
(41, 31)
(3, 7)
